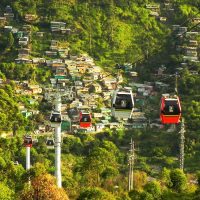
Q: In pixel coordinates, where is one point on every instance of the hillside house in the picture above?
(95, 76)
(136, 124)
(192, 34)
(78, 83)
(161, 85)
(82, 67)
(163, 19)
(190, 58)
(2, 21)
(99, 127)
(23, 60)
(193, 43)
(97, 69)
(133, 74)
(8, 28)
(175, 27)
(62, 82)
(23, 52)
(39, 60)
(98, 88)
(41, 128)
(30, 17)
(106, 95)
(40, 34)
(49, 63)
(76, 104)
(63, 53)
(57, 26)
(82, 90)
(36, 89)
(191, 51)
(196, 20)
(59, 67)
(54, 45)
(26, 28)
(23, 41)
(87, 81)
(153, 7)
(97, 115)
(61, 71)
(51, 53)
(9, 16)
(109, 83)
(115, 125)
(182, 29)
(143, 89)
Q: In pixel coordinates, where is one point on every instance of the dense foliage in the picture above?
(95, 166)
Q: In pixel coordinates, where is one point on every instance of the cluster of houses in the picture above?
(187, 42)
(84, 85)
(155, 10)
(59, 27)
(8, 15)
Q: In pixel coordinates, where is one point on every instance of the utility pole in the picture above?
(182, 142)
(58, 143)
(131, 165)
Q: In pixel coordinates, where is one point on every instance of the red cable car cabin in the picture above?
(170, 110)
(85, 120)
(28, 142)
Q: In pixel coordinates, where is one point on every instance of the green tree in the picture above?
(43, 187)
(10, 40)
(154, 189)
(5, 192)
(95, 194)
(146, 196)
(178, 180)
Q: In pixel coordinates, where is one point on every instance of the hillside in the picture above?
(85, 49)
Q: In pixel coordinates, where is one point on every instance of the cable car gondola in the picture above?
(55, 118)
(122, 103)
(170, 112)
(50, 143)
(85, 120)
(28, 142)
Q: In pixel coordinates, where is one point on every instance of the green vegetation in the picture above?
(94, 166)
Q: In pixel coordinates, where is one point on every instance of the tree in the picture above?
(140, 179)
(198, 177)
(10, 40)
(146, 196)
(154, 189)
(43, 187)
(178, 180)
(95, 194)
(5, 192)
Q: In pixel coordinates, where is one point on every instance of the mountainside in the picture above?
(88, 48)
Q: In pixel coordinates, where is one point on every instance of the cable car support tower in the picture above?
(131, 160)
(58, 143)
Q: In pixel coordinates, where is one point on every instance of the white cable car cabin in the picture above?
(122, 103)
(50, 143)
(55, 118)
